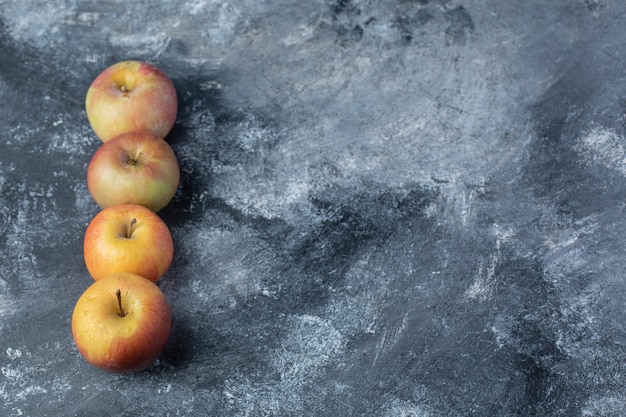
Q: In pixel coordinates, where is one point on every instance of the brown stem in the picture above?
(130, 230)
(120, 310)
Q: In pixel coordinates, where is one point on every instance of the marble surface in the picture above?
(387, 208)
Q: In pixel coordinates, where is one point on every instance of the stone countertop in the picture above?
(387, 208)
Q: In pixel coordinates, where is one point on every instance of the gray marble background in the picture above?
(388, 208)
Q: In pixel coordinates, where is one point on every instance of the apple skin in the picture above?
(134, 168)
(129, 96)
(121, 344)
(128, 238)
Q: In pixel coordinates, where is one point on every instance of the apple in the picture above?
(133, 168)
(121, 323)
(128, 238)
(131, 96)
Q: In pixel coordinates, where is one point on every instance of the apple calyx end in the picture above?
(131, 161)
(120, 311)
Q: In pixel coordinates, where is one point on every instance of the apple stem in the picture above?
(120, 310)
(133, 222)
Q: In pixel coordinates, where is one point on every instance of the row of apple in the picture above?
(122, 322)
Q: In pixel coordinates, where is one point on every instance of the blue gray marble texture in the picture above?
(387, 208)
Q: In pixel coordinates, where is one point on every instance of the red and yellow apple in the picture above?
(121, 323)
(128, 238)
(134, 168)
(131, 96)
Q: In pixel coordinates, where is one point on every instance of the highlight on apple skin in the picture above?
(134, 168)
(128, 238)
(129, 96)
(121, 323)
